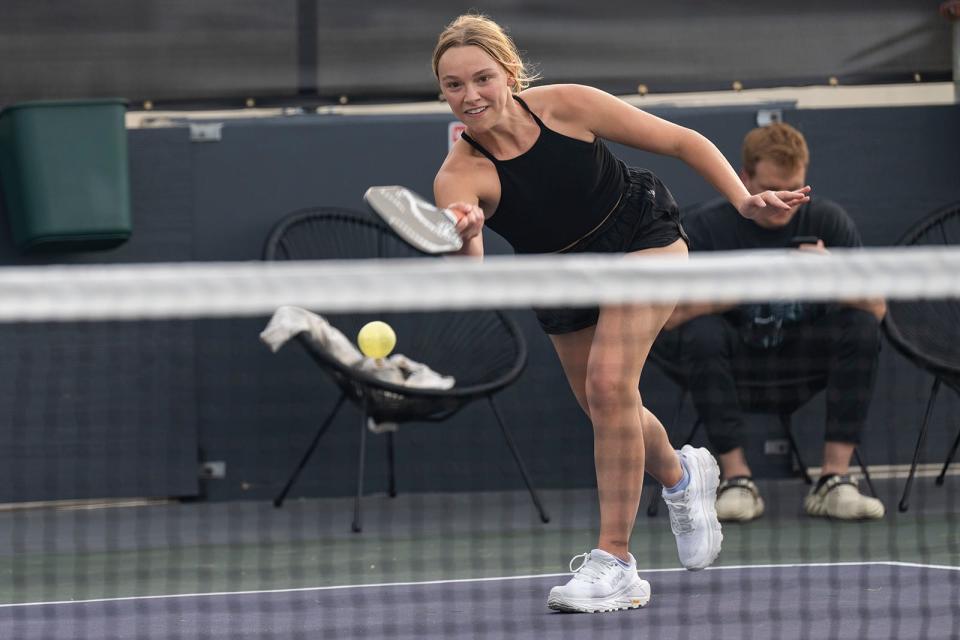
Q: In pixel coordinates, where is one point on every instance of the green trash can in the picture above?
(65, 176)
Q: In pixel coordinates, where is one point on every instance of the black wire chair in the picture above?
(483, 349)
(927, 332)
(782, 396)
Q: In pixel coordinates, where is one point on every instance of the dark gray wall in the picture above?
(171, 389)
(107, 409)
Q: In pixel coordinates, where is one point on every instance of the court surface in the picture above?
(468, 566)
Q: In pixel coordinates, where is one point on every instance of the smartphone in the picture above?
(796, 241)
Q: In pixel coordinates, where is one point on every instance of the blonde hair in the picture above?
(480, 31)
(779, 143)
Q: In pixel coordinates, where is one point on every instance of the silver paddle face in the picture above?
(414, 219)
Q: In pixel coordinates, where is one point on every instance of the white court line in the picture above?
(890, 563)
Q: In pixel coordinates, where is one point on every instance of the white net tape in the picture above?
(186, 290)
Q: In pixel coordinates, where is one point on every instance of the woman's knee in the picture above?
(610, 391)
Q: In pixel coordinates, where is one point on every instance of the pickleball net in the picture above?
(149, 432)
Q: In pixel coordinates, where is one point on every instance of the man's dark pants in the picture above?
(837, 351)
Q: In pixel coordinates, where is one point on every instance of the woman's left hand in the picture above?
(772, 202)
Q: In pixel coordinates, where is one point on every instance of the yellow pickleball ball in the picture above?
(376, 339)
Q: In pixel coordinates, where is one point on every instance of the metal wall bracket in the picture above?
(769, 116)
(205, 131)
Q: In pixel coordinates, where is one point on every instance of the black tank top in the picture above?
(556, 193)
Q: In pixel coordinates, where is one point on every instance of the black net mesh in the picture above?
(176, 479)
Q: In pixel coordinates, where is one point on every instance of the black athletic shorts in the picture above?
(647, 217)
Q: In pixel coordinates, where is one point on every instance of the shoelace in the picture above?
(589, 570)
(680, 520)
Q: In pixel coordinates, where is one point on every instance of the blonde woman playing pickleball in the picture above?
(532, 165)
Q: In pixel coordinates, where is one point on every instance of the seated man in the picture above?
(779, 340)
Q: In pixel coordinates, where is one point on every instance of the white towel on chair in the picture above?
(399, 369)
(288, 321)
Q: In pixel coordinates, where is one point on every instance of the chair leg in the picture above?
(278, 501)
(866, 472)
(946, 464)
(787, 424)
(516, 456)
(904, 504)
(392, 486)
(362, 456)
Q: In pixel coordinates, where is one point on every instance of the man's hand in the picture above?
(876, 306)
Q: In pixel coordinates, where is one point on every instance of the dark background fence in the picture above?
(226, 51)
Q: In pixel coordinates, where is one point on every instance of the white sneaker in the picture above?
(693, 511)
(601, 583)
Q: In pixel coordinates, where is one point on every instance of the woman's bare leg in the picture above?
(614, 358)
(661, 462)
